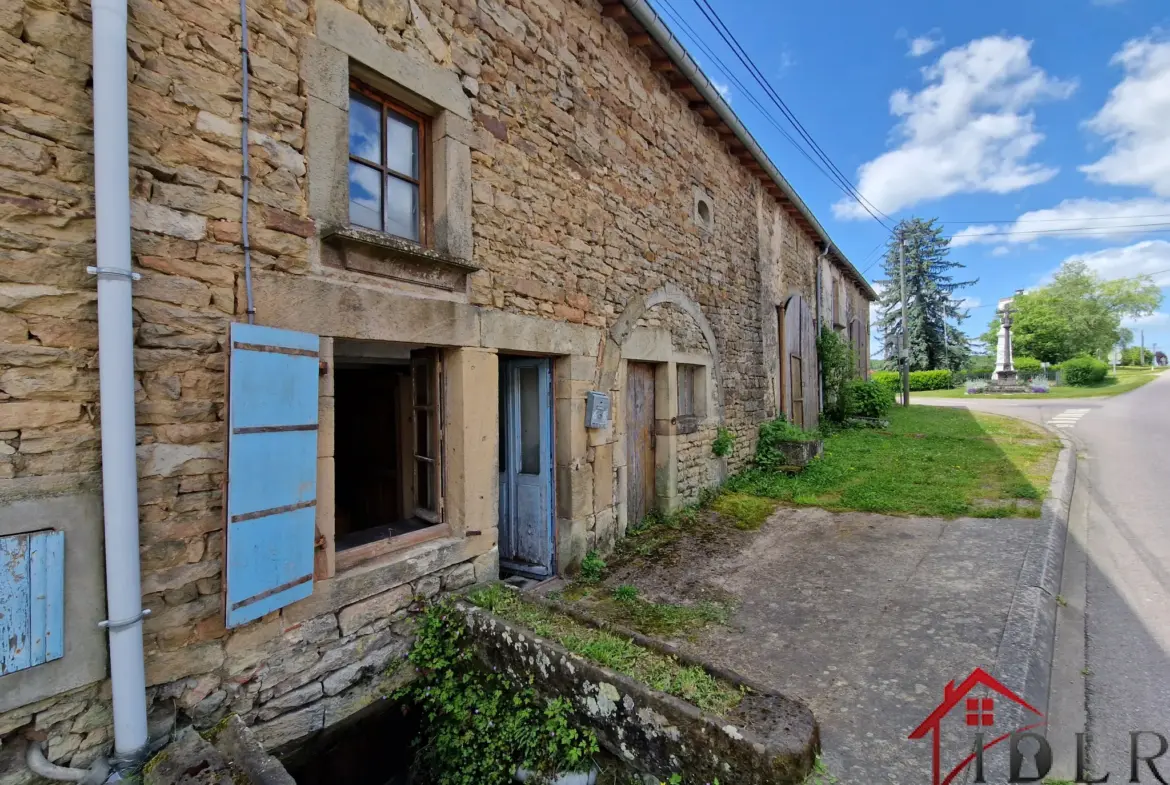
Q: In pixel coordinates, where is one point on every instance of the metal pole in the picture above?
(905, 323)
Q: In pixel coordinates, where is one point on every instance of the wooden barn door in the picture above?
(799, 363)
(639, 440)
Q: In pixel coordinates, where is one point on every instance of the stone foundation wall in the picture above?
(698, 468)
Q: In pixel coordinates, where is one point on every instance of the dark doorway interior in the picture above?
(372, 420)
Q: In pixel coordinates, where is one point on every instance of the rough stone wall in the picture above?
(698, 468)
(583, 200)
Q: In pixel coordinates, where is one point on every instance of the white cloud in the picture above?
(1135, 118)
(1150, 257)
(925, 44)
(1155, 319)
(1080, 218)
(969, 130)
(723, 88)
(969, 302)
(1000, 250)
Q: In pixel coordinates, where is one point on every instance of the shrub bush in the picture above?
(1083, 371)
(838, 370)
(772, 434)
(930, 380)
(869, 399)
(1026, 366)
(919, 380)
(891, 380)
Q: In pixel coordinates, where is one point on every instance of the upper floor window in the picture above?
(387, 166)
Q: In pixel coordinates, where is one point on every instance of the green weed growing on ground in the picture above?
(592, 567)
(625, 593)
(748, 512)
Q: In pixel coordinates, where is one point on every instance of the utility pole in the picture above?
(905, 323)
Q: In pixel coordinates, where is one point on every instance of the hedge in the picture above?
(920, 381)
(1083, 371)
(869, 399)
(1026, 365)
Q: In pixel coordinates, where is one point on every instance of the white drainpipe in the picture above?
(116, 373)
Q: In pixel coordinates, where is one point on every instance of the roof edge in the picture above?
(664, 38)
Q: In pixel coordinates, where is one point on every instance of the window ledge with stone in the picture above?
(378, 253)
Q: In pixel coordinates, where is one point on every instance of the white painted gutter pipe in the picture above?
(111, 145)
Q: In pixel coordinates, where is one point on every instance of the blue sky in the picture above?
(999, 117)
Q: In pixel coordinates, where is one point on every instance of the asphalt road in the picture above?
(1111, 670)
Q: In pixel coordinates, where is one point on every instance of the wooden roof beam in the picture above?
(661, 65)
(641, 40)
(615, 11)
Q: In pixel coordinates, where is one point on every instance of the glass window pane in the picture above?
(365, 120)
(401, 208)
(529, 420)
(364, 196)
(424, 497)
(422, 384)
(401, 144)
(422, 433)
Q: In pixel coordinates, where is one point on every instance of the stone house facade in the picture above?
(480, 214)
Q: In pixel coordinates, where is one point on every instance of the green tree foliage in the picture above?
(1135, 355)
(869, 399)
(1078, 313)
(930, 293)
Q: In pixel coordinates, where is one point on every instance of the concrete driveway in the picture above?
(865, 617)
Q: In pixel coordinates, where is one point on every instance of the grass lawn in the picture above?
(1123, 382)
(931, 461)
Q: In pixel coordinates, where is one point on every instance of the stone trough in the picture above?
(768, 739)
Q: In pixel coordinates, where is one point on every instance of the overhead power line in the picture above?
(1015, 221)
(833, 172)
(1161, 226)
(731, 77)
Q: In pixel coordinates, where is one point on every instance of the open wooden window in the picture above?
(388, 188)
(387, 444)
(424, 368)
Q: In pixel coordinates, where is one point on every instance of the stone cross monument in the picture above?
(1004, 371)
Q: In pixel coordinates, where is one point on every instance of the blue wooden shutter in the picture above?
(272, 469)
(32, 599)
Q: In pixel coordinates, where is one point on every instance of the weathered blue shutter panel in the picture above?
(32, 599)
(272, 469)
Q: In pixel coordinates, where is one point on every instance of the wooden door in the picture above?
(640, 440)
(526, 487)
(799, 361)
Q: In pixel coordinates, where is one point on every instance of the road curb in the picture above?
(1024, 659)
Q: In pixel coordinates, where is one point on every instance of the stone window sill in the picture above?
(377, 253)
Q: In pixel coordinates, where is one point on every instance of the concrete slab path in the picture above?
(865, 617)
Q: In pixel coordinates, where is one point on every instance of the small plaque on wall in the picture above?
(596, 410)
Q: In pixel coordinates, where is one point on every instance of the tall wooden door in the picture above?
(639, 441)
(526, 485)
(798, 361)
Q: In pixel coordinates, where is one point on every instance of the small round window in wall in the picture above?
(704, 213)
(704, 210)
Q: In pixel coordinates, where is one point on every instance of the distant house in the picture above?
(472, 224)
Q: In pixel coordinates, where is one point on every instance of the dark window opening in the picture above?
(385, 450)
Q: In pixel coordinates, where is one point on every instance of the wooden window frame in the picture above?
(428, 363)
(423, 181)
